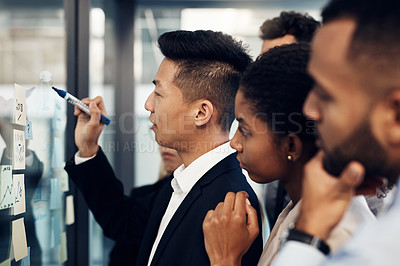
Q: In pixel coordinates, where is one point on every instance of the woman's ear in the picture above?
(204, 110)
(294, 147)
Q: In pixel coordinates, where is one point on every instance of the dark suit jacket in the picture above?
(136, 219)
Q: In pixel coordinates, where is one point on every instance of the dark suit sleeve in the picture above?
(120, 217)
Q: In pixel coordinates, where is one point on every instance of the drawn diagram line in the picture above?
(9, 190)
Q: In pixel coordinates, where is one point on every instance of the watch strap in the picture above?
(305, 238)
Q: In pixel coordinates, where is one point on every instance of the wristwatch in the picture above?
(299, 236)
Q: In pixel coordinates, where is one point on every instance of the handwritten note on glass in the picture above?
(19, 149)
(6, 187)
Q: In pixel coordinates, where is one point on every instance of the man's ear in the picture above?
(294, 147)
(393, 115)
(204, 110)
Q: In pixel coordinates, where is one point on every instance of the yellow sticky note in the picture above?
(19, 239)
(7, 262)
(63, 248)
(64, 184)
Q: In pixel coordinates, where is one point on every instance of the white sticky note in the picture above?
(63, 248)
(6, 187)
(69, 210)
(19, 149)
(19, 239)
(19, 193)
(7, 262)
(28, 130)
(27, 260)
(55, 194)
(19, 105)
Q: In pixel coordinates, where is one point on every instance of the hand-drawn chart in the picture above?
(19, 149)
(6, 187)
(19, 192)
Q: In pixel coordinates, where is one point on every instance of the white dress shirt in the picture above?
(184, 179)
(375, 244)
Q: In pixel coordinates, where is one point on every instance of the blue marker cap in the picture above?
(60, 92)
(103, 119)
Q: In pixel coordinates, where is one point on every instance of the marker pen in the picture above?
(78, 103)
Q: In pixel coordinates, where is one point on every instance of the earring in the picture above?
(290, 158)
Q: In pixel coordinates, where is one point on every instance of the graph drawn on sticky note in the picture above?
(19, 150)
(6, 187)
(19, 105)
(19, 193)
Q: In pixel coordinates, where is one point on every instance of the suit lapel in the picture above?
(225, 165)
(150, 234)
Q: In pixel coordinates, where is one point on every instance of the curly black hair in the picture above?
(276, 85)
(210, 65)
(301, 26)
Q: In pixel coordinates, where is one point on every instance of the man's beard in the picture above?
(361, 146)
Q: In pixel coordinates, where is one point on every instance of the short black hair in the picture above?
(210, 65)
(301, 26)
(276, 85)
(375, 44)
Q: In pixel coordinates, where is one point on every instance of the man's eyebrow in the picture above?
(241, 120)
(319, 89)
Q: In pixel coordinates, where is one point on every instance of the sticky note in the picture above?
(11, 252)
(55, 194)
(18, 149)
(69, 210)
(28, 130)
(57, 156)
(27, 260)
(55, 232)
(19, 239)
(7, 262)
(19, 113)
(62, 175)
(63, 248)
(19, 193)
(6, 187)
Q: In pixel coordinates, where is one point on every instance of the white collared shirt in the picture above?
(184, 180)
(374, 244)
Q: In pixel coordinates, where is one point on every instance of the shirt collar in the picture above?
(187, 177)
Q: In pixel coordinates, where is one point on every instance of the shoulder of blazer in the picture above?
(228, 164)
